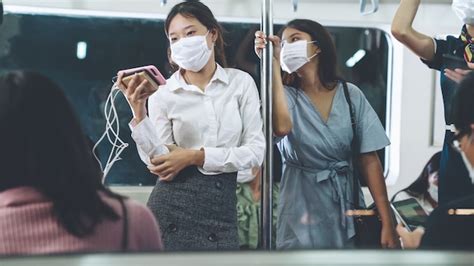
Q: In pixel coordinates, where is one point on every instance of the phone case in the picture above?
(150, 73)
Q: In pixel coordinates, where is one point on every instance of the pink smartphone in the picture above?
(150, 73)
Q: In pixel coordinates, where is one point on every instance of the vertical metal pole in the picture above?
(266, 95)
(1, 12)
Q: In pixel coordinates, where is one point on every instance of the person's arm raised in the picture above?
(402, 29)
(282, 124)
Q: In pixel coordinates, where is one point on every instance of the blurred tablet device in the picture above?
(410, 213)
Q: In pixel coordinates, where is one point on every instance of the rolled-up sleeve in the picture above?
(251, 150)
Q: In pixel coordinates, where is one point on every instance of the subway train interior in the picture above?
(81, 45)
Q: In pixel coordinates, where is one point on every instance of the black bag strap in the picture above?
(124, 244)
(354, 148)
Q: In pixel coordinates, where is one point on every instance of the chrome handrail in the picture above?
(266, 96)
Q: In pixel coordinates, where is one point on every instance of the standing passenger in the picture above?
(311, 115)
(450, 226)
(209, 117)
(453, 176)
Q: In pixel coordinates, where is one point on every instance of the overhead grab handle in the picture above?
(364, 7)
(295, 5)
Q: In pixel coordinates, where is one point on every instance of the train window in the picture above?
(83, 53)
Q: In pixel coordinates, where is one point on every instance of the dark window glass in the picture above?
(82, 54)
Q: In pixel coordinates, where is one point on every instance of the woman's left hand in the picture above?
(389, 237)
(168, 166)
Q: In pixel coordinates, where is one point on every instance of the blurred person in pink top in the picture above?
(51, 196)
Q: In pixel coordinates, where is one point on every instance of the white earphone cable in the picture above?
(112, 131)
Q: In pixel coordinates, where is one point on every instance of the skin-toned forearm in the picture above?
(281, 116)
(194, 157)
(402, 29)
(371, 168)
(404, 17)
(198, 157)
(139, 115)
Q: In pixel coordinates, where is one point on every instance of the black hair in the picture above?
(43, 146)
(328, 73)
(421, 184)
(203, 14)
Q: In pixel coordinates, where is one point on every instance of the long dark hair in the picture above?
(327, 70)
(42, 146)
(420, 186)
(199, 11)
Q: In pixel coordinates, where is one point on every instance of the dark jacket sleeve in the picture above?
(437, 62)
(434, 230)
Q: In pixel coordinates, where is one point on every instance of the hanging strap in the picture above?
(124, 244)
(354, 148)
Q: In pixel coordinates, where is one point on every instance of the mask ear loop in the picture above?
(316, 53)
(311, 57)
(213, 42)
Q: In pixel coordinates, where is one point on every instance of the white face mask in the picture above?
(191, 53)
(470, 168)
(464, 9)
(294, 55)
(433, 191)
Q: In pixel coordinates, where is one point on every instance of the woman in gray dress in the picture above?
(311, 121)
(209, 119)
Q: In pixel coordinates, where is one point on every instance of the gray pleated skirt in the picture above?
(197, 211)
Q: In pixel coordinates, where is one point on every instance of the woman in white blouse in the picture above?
(209, 119)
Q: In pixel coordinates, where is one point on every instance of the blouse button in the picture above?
(173, 228)
(212, 237)
(219, 184)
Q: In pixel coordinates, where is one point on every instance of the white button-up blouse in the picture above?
(224, 120)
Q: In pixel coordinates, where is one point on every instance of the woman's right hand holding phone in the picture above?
(136, 92)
